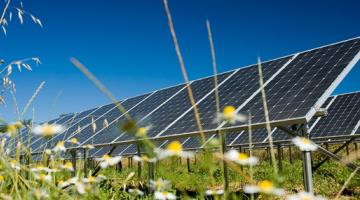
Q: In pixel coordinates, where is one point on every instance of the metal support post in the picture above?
(73, 161)
(225, 168)
(139, 163)
(85, 161)
(188, 164)
(290, 155)
(279, 150)
(307, 169)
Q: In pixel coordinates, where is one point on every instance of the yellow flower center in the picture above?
(106, 157)
(74, 140)
(142, 132)
(265, 186)
(165, 193)
(91, 179)
(12, 129)
(175, 146)
(243, 156)
(229, 112)
(42, 177)
(2, 178)
(68, 165)
(305, 141)
(60, 144)
(48, 130)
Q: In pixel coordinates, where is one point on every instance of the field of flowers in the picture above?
(159, 173)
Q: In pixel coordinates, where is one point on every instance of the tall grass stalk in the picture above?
(346, 183)
(37, 91)
(183, 71)
(267, 119)
(250, 151)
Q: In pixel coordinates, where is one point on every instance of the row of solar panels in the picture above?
(295, 86)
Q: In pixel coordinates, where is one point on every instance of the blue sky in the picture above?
(128, 46)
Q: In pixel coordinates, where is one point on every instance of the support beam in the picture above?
(333, 155)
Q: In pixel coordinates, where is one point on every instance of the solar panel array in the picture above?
(295, 86)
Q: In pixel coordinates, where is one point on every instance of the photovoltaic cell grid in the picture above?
(293, 89)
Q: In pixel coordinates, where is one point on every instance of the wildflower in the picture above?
(1, 178)
(136, 192)
(304, 144)
(48, 130)
(107, 160)
(48, 151)
(160, 184)
(241, 158)
(229, 115)
(105, 123)
(89, 146)
(93, 124)
(142, 131)
(174, 149)
(92, 179)
(144, 159)
(304, 196)
(164, 195)
(211, 192)
(74, 141)
(14, 164)
(265, 186)
(40, 168)
(40, 194)
(80, 187)
(12, 129)
(43, 177)
(59, 147)
(130, 176)
(67, 166)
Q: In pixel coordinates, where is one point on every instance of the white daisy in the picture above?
(304, 144)
(107, 160)
(211, 192)
(164, 195)
(15, 165)
(67, 166)
(136, 192)
(92, 179)
(60, 147)
(144, 159)
(174, 149)
(229, 115)
(43, 177)
(240, 158)
(48, 130)
(265, 186)
(304, 196)
(89, 146)
(40, 194)
(160, 184)
(73, 141)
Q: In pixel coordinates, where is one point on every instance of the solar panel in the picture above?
(140, 112)
(295, 85)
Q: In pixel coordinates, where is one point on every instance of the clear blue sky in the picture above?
(128, 46)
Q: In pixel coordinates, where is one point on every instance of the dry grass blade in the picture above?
(16, 107)
(214, 65)
(267, 119)
(32, 98)
(100, 86)
(346, 183)
(4, 12)
(183, 70)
